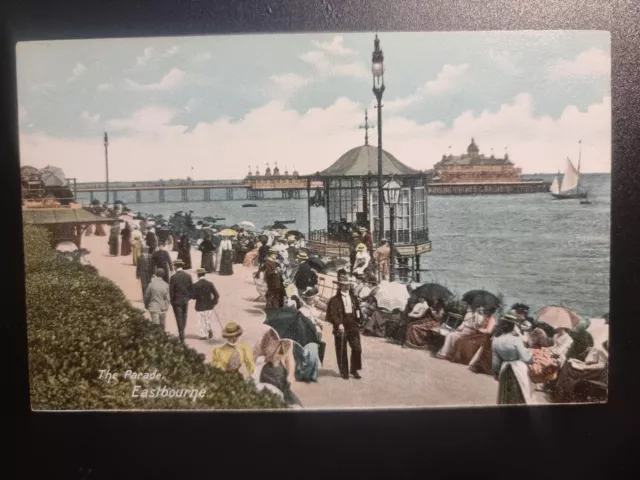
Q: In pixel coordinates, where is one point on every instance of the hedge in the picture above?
(80, 323)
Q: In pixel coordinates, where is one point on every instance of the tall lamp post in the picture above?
(106, 161)
(391, 191)
(377, 69)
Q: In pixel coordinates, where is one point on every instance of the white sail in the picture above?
(555, 186)
(571, 178)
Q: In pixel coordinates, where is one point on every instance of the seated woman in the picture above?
(276, 374)
(307, 362)
(270, 342)
(549, 360)
(592, 366)
(419, 331)
(251, 258)
(469, 336)
(509, 366)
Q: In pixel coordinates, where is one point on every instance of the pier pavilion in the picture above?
(350, 189)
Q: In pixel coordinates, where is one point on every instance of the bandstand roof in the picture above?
(363, 160)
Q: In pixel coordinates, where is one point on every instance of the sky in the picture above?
(210, 107)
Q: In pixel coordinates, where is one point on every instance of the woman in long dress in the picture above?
(468, 345)
(276, 374)
(475, 325)
(184, 251)
(136, 248)
(226, 260)
(125, 249)
(509, 367)
(114, 239)
(251, 258)
(207, 249)
(419, 332)
(270, 342)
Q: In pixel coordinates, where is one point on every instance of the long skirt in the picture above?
(376, 324)
(569, 378)
(275, 298)
(185, 256)
(420, 333)
(100, 232)
(88, 231)
(136, 251)
(509, 391)
(114, 245)
(126, 247)
(226, 263)
(207, 262)
(481, 362)
(466, 348)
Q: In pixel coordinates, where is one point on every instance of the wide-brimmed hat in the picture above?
(361, 247)
(231, 330)
(201, 270)
(177, 261)
(355, 234)
(303, 256)
(511, 318)
(343, 280)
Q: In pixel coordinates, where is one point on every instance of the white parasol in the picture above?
(246, 224)
(391, 295)
(559, 317)
(53, 177)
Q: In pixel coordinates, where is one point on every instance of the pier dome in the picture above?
(363, 160)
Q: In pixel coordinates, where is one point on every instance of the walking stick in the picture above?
(218, 318)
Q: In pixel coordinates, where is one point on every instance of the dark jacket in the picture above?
(144, 268)
(305, 277)
(180, 288)
(263, 252)
(151, 240)
(205, 295)
(206, 247)
(162, 259)
(336, 313)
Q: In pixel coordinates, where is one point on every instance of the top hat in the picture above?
(231, 330)
(343, 279)
(303, 256)
(361, 247)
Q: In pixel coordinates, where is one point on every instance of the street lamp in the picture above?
(106, 161)
(377, 69)
(391, 191)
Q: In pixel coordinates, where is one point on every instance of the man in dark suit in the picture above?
(206, 297)
(305, 278)
(181, 291)
(343, 312)
(144, 269)
(162, 259)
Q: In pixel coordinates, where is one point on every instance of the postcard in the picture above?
(351, 221)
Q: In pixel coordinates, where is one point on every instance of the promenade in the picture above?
(392, 376)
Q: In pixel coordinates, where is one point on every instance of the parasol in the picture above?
(245, 224)
(336, 264)
(227, 232)
(272, 233)
(481, 298)
(291, 324)
(432, 292)
(391, 295)
(53, 177)
(559, 317)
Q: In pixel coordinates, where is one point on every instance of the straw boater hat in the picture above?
(177, 262)
(303, 256)
(361, 247)
(511, 318)
(343, 279)
(201, 271)
(355, 234)
(291, 238)
(231, 330)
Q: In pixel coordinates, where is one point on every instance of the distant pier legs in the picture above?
(185, 195)
(138, 196)
(229, 193)
(115, 195)
(207, 195)
(91, 197)
(161, 196)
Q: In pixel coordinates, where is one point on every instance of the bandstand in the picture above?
(350, 191)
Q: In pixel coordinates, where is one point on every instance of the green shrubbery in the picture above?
(80, 323)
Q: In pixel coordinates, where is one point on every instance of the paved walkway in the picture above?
(392, 376)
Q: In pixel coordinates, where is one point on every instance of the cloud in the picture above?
(171, 80)
(313, 139)
(103, 87)
(78, 71)
(335, 47)
(145, 58)
(445, 81)
(90, 118)
(327, 67)
(590, 63)
(290, 82)
(505, 62)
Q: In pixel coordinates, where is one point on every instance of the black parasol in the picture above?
(481, 298)
(432, 292)
(316, 263)
(291, 324)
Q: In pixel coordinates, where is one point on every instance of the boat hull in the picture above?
(563, 196)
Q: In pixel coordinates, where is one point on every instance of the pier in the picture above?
(498, 188)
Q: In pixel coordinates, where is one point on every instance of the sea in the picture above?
(529, 248)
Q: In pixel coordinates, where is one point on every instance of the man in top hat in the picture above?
(233, 355)
(343, 312)
(162, 259)
(382, 257)
(206, 297)
(273, 278)
(305, 278)
(144, 269)
(365, 237)
(181, 290)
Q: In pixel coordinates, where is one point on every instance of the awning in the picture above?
(54, 216)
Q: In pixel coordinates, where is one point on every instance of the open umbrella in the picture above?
(227, 232)
(245, 224)
(391, 295)
(291, 324)
(559, 317)
(432, 292)
(53, 177)
(481, 298)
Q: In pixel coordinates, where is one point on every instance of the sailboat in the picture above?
(570, 185)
